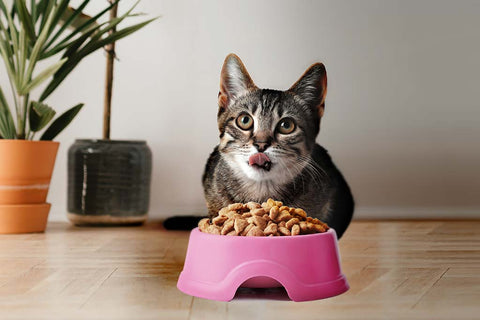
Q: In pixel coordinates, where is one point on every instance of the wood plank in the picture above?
(396, 269)
(449, 294)
(150, 296)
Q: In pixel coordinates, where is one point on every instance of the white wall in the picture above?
(402, 109)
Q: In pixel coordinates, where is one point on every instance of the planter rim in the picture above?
(25, 205)
(5, 141)
(109, 141)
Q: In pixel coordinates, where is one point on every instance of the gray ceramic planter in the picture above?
(108, 182)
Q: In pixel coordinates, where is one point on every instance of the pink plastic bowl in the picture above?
(308, 266)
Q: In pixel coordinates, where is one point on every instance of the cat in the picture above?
(267, 149)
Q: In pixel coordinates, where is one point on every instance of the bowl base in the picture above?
(261, 282)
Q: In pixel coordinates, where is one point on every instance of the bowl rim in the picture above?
(301, 236)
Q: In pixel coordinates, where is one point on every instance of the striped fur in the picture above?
(302, 173)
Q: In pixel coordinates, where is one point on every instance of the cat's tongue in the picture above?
(260, 159)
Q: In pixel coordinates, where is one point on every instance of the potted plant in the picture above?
(29, 34)
(109, 180)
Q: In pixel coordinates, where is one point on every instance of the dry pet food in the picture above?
(270, 218)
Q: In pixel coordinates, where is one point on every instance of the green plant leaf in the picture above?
(72, 61)
(72, 49)
(7, 55)
(37, 30)
(37, 48)
(40, 9)
(3, 7)
(110, 27)
(33, 8)
(75, 58)
(41, 77)
(23, 52)
(60, 10)
(39, 115)
(25, 18)
(86, 24)
(61, 122)
(69, 18)
(71, 46)
(7, 126)
(3, 101)
(47, 10)
(119, 35)
(13, 49)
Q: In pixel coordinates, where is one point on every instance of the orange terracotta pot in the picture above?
(25, 170)
(23, 218)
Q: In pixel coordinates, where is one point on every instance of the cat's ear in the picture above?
(234, 81)
(312, 87)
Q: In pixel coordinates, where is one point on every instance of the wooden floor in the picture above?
(396, 270)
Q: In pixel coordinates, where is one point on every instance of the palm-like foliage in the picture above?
(48, 29)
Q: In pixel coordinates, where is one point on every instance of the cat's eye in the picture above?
(286, 126)
(244, 122)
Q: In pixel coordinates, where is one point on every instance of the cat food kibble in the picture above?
(270, 218)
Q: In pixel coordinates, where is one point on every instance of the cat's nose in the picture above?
(261, 145)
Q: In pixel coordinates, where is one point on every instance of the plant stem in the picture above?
(20, 121)
(20, 125)
(21, 104)
(15, 101)
(107, 105)
(26, 99)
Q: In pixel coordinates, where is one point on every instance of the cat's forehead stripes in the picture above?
(270, 101)
(254, 107)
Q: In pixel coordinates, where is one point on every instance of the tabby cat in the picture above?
(267, 148)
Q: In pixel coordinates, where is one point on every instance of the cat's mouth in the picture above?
(260, 160)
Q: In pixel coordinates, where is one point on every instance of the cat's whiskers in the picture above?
(317, 174)
(302, 163)
(319, 170)
(292, 175)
